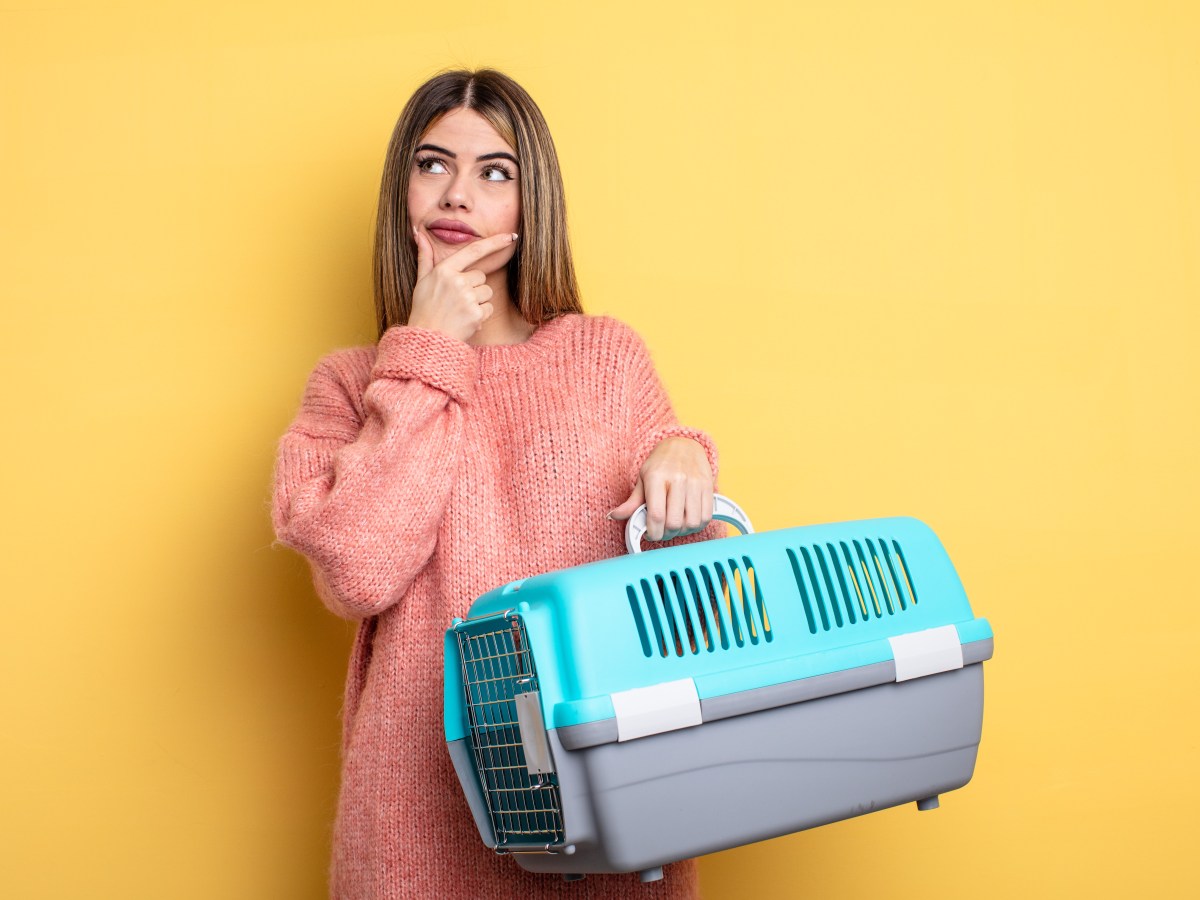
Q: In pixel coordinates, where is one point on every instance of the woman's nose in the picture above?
(457, 194)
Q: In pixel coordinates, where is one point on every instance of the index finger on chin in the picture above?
(477, 250)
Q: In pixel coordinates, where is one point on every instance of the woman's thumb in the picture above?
(627, 509)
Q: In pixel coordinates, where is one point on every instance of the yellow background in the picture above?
(936, 259)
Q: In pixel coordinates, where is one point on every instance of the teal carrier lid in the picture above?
(669, 638)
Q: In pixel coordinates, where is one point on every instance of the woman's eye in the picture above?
(428, 163)
(497, 173)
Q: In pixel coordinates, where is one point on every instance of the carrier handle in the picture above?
(723, 508)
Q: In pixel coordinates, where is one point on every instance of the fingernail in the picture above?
(514, 235)
(609, 516)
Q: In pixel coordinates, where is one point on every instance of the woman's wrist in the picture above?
(434, 357)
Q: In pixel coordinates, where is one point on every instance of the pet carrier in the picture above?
(627, 713)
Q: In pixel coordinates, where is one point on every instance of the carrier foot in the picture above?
(928, 803)
(654, 874)
(573, 876)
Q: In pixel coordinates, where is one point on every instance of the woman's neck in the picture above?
(505, 325)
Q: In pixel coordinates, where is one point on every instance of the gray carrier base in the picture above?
(636, 805)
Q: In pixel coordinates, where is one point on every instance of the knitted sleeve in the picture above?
(361, 485)
(653, 420)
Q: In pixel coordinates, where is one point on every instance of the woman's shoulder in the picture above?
(340, 377)
(610, 334)
(602, 324)
(348, 364)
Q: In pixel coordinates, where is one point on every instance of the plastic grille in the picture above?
(712, 607)
(851, 582)
(497, 665)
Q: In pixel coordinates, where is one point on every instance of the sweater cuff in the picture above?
(655, 437)
(436, 358)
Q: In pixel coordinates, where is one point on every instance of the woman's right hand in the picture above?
(449, 297)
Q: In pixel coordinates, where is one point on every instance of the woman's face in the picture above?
(463, 172)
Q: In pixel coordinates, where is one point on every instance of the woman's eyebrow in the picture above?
(500, 154)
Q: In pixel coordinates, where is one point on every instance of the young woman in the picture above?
(494, 432)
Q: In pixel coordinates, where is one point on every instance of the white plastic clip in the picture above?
(655, 709)
(926, 652)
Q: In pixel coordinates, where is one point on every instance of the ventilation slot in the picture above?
(700, 610)
(760, 604)
(852, 582)
(659, 641)
(903, 565)
(674, 638)
(710, 594)
(636, 608)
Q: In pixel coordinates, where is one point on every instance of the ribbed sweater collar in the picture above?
(498, 359)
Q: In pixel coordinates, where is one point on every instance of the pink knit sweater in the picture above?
(418, 474)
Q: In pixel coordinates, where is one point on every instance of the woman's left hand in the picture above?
(676, 484)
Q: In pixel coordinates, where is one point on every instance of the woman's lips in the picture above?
(450, 236)
(452, 231)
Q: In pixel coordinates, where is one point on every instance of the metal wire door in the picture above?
(525, 809)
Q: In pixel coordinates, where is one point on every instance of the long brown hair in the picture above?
(541, 276)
